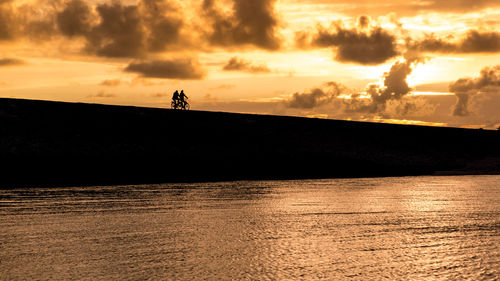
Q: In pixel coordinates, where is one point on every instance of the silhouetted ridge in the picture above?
(55, 143)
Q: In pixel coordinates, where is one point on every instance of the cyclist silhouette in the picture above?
(183, 99)
(180, 100)
(175, 100)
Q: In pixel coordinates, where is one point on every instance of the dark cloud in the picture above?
(123, 30)
(11, 62)
(168, 69)
(481, 42)
(27, 20)
(249, 23)
(386, 100)
(308, 100)
(120, 29)
(9, 25)
(164, 23)
(462, 106)
(359, 45)
(40, 30)
(363, 21)
(395, 84)
(75, 19)
(392, 93)
(235, 64)
(466, 89)
(473, 42)
(119, 32)
(316, 97)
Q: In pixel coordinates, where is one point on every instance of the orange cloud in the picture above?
(11, 62)
(122, 30)
(111, 82)
(473, 42)
(168, 69)
(9, 22)
(235, 64)
(363, 45)
(466, 88)
(250, 23)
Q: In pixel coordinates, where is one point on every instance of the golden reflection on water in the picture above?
(362, 229)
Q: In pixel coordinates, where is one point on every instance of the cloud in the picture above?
(9, 25)
(395, 85)
(119, 32)
(27, 20)
(316, 97)
(11, 62)
(390, 99)
(248, 23)
(235, 64)
(163, 19)
(168, 69)
(115, 29)
(123, 30)
(102, 94)
(363, 21)
(362, 44)
(40, 30)
(466, 89)
(303, 40)
(111, 82)
(75, 19)
(473, 42)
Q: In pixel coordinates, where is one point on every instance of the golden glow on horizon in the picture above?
(414, 93)
(409, 122)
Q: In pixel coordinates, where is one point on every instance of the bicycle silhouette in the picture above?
(178, 104)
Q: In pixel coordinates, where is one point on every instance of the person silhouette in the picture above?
(183, 98)
(175, 99)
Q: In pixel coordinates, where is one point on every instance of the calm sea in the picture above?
(409, 228)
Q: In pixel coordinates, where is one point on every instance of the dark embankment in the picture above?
(54, 143)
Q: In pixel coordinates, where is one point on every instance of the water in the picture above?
(407, 228)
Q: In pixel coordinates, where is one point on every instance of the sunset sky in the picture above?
(419, 62)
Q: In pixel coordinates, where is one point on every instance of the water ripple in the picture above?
(410, 228)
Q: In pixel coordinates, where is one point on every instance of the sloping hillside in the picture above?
(55, 143)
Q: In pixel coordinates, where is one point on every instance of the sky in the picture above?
(413, 62)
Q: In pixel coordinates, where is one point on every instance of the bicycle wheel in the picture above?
(187, 106)
(173, 105)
